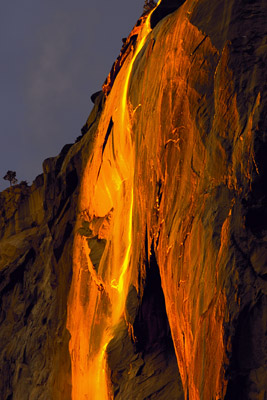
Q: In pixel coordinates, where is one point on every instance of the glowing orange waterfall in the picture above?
(97, 297)
(134, 266)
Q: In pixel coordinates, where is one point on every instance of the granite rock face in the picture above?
(135, 266)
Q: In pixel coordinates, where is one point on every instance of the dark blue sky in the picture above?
(53, 55)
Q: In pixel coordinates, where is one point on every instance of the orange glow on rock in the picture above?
(160, 174)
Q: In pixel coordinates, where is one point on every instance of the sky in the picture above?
(54, 55)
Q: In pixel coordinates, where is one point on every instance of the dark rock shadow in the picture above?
(142, 360)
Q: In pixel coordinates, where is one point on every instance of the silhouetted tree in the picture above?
(149, 5)
(11, 177)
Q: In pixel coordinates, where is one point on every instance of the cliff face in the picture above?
(135, 266)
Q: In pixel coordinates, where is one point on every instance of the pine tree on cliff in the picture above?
(149, 5)
(11, 177)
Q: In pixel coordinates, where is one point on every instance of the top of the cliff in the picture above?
(161, 10)
(165, 8)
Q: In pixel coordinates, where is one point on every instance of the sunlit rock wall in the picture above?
(200, 188)
(188, 318)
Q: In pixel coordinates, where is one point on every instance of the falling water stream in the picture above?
(107, 189)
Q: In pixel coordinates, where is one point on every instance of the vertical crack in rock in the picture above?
(141, 356)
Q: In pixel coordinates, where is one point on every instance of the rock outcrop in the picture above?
(135, 266)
